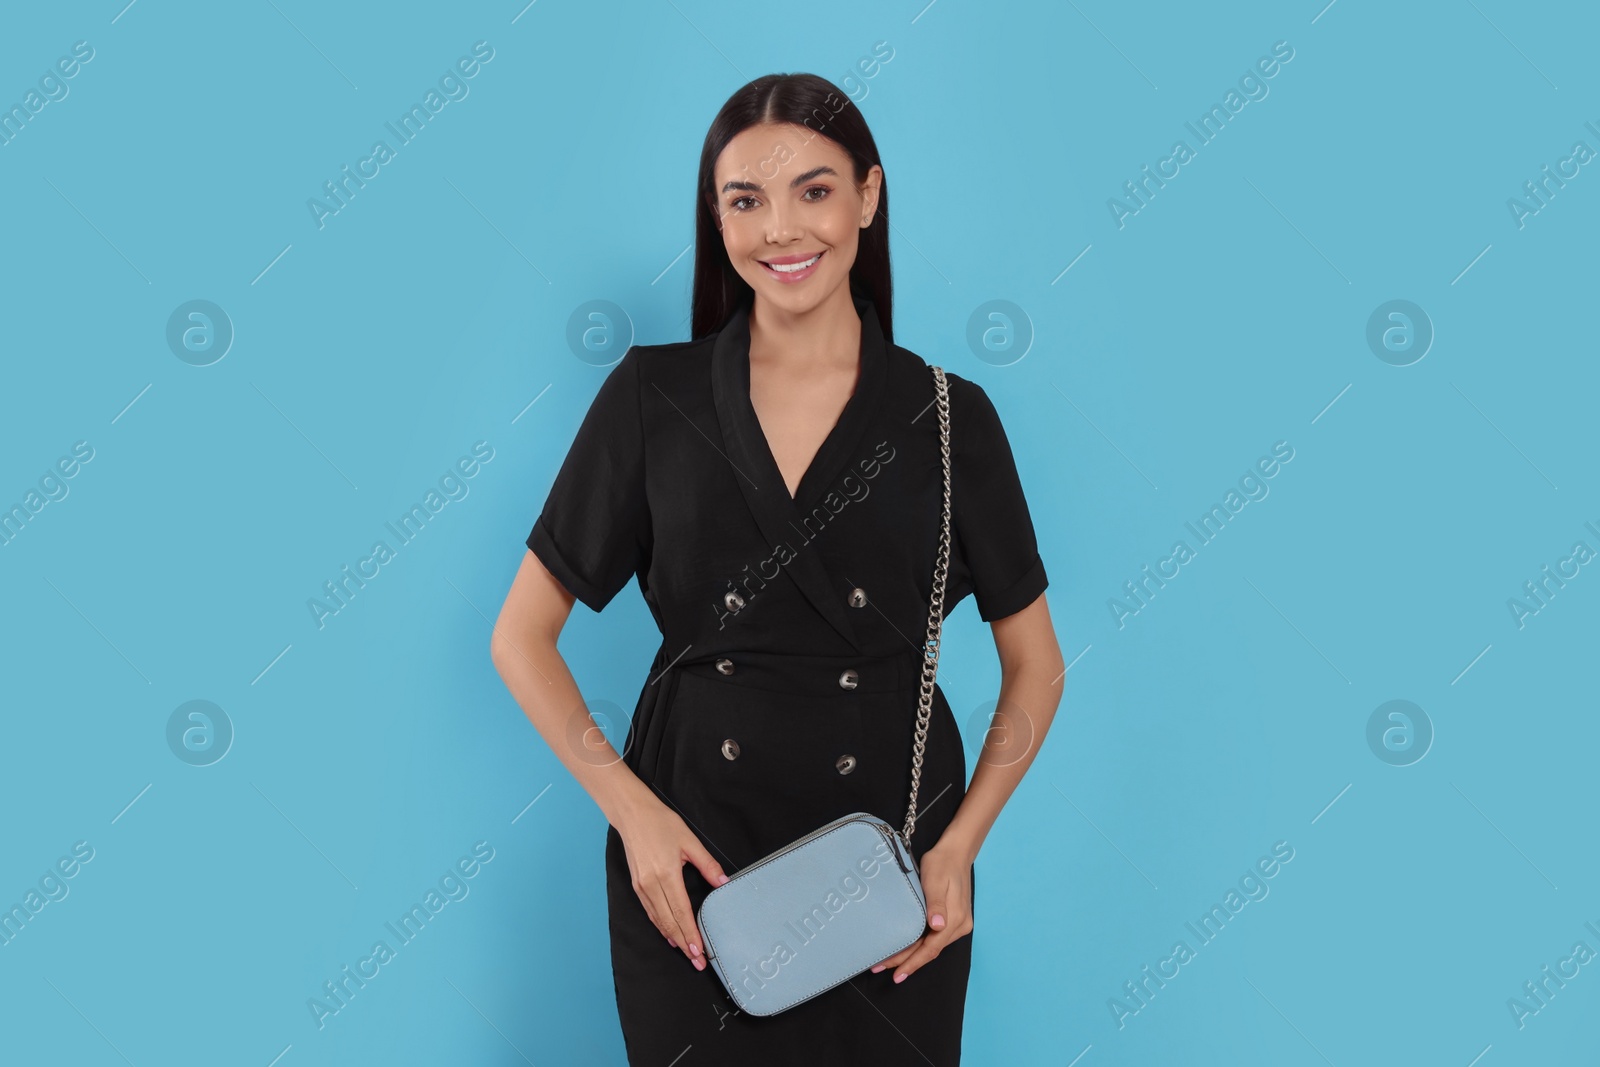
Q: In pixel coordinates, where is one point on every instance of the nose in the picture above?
(783, 227)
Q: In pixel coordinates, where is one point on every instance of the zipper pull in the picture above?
(893, 839)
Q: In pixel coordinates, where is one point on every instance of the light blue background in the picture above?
(1228, 314)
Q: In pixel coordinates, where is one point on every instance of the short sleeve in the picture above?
(593, 533)
(988, 508)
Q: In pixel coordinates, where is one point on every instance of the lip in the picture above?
(791, 277)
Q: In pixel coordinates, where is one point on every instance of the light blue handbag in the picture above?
(829, 905)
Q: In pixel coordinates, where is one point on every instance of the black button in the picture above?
(848, 679)
(724, 666)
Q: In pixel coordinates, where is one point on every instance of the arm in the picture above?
(1032, 678)
(523, 649)
(655, 838)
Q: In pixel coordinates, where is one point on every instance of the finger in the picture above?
(667, 922)
(683, 915)
(647, 904)
(673, 921)
(924, 951)
(666, 929)
(898, 957)
(652, 907)
(931, 944)
(936, 921)
(703, 862)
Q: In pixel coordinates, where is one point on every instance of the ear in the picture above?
(869, 194)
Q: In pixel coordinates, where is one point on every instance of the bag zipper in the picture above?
(813, 835)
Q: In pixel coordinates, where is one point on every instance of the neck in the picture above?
(829, 333)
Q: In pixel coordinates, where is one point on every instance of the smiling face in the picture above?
(791, 213)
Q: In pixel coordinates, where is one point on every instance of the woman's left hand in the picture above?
(946, 875)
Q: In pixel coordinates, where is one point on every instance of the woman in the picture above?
(776, 485)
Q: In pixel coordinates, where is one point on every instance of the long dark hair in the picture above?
(803, 100)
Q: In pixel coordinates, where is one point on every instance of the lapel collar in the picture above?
(842, 447)
(757, 472)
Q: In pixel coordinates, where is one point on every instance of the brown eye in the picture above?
(823, 189)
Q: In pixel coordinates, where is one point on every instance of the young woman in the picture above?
(776, 485)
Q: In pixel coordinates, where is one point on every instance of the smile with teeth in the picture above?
(792, 268)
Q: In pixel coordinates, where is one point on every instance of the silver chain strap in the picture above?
(941, 569)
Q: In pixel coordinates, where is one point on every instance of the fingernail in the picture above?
(724, 878)
(671, 942)
(936, 921)
(694, 949)
(877, 968)
(901, 977)
(699, 964)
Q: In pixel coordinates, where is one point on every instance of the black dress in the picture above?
(758, 722)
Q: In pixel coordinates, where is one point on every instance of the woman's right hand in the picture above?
(658, 843)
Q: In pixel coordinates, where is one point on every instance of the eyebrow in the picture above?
(800, 179)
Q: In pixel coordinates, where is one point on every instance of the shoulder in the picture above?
(642, 365)
(914, 374)
(700, 347)
(667, 364)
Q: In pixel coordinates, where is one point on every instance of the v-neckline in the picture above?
(846, 430)
(772, 456)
